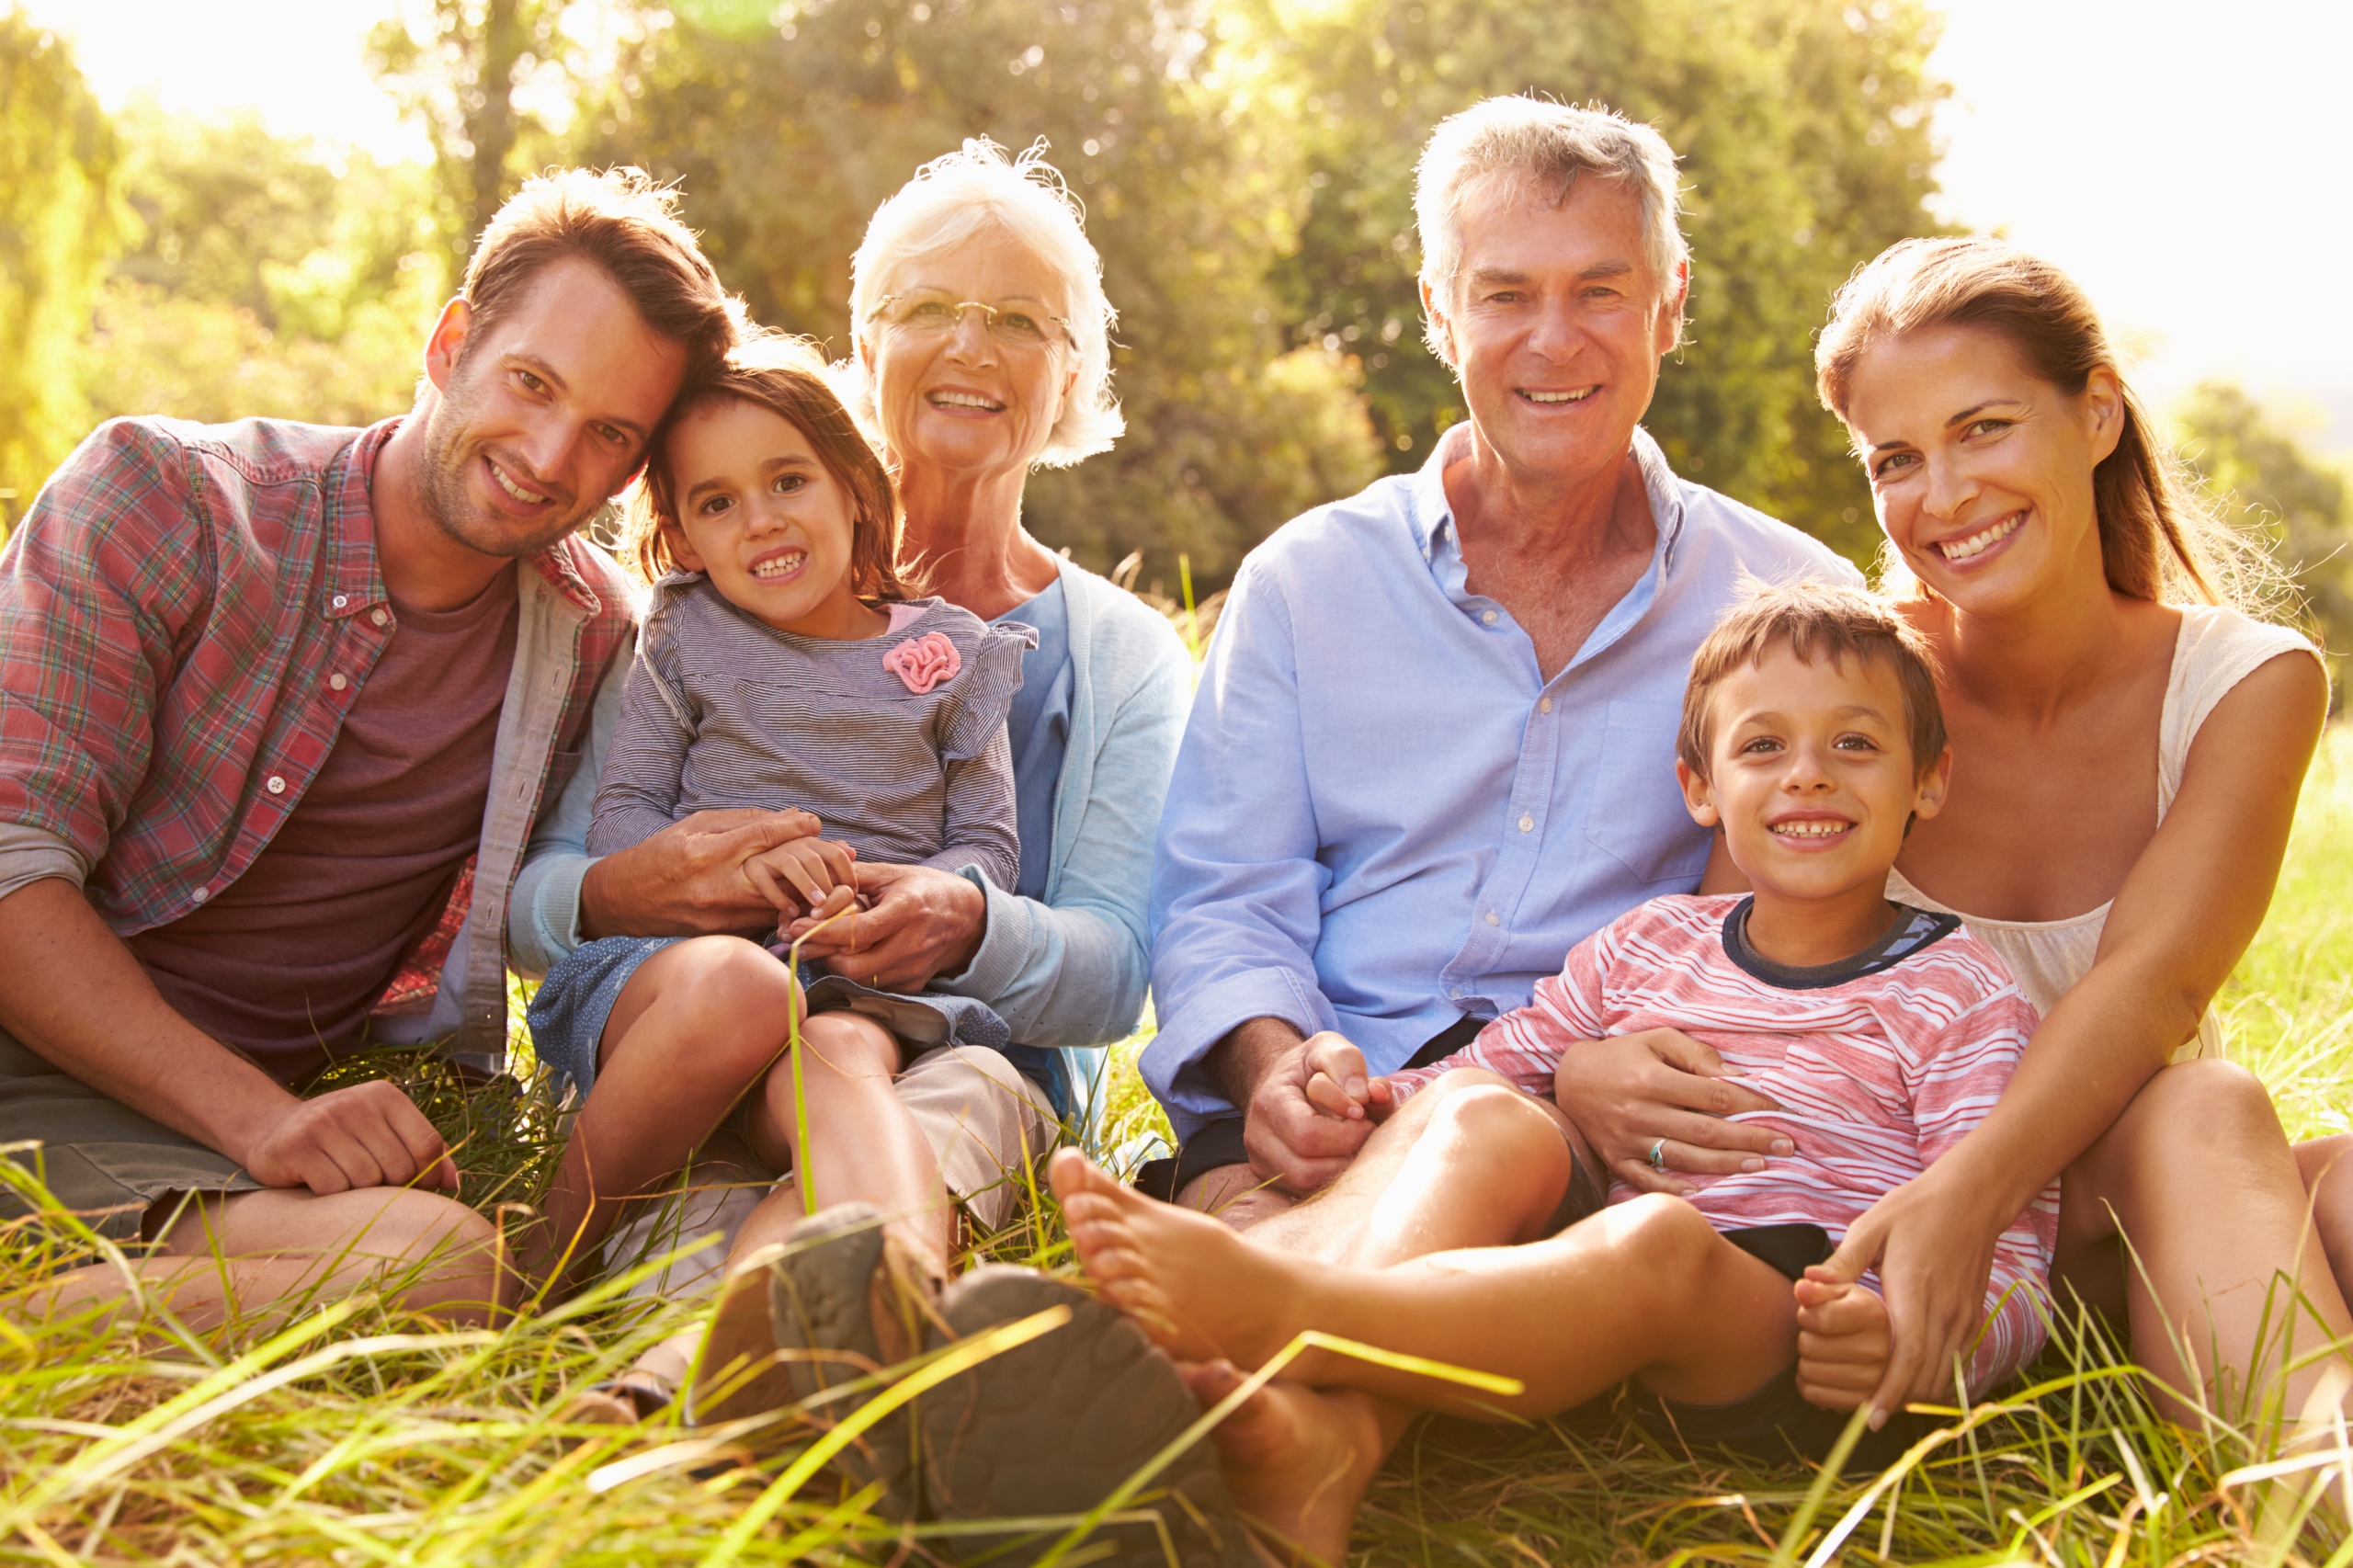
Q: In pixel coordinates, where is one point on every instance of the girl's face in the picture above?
(762, 515)
(952, 394)
(1981, 472)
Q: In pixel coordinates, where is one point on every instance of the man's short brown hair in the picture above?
(1813, 620)
(628, 227)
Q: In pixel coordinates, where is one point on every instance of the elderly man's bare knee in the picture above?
(1235, 1193)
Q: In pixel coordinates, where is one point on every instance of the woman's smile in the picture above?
(1971, 546)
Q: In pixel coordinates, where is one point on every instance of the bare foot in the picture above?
(1297, 1460)
(1199, 1289)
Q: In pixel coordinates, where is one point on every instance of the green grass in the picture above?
(353, 1438)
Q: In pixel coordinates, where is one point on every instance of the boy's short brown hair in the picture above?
(625, 225)
(1813, 620)
(786, 376)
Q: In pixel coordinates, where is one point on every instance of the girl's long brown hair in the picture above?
(2157, 541)
(786, 376)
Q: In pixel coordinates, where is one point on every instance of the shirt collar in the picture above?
(1428, 511)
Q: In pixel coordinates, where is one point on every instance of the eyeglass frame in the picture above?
(988, 319)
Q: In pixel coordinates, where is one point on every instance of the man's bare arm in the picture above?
(73, 994)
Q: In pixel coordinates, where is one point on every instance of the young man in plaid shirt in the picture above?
(279, 704)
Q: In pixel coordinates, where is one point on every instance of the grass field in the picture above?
(350, 1438)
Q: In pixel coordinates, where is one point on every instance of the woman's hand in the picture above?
(1626, 1093)
(924, 922)
(1934, 1246)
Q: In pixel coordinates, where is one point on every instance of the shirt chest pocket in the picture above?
(1636, 814)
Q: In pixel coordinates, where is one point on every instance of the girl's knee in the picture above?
(841, 1047)
(2206, 1105)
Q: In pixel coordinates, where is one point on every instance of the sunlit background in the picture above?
(2184, 161)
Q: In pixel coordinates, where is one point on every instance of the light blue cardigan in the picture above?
(1070, 970)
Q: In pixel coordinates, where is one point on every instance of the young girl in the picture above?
(782, 664)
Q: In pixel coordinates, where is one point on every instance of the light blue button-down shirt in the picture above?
(1383, 816)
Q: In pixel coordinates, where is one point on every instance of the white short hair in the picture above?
(1531, 145)
(950, 200)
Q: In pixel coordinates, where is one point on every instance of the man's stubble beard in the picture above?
(447, 501)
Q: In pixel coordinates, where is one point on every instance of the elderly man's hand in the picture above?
(688, 878)
(1267, 1068)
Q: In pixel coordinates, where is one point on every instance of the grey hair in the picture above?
(950, 200)
(1532, 145)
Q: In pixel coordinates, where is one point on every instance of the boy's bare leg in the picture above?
(263, 1256)
(1297, 1460)
(1644, 1290)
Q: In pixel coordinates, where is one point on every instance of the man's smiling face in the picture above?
(1556, 323)
(544, 413)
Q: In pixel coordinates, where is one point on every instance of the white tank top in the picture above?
(2217, 649)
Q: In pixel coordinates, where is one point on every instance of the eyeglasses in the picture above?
(934, 315)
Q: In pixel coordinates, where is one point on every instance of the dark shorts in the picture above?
(1219, 1144)
(1776, 1423)
(99, 1158)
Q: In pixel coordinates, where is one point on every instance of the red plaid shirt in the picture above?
(187, 612)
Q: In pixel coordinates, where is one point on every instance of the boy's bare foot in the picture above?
(1297, 1460)
(1196, 1288)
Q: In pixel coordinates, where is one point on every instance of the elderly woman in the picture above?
(982, 353)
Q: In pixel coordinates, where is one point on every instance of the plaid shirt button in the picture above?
(201, 894)
(337, 681)
(380, 616)
(277, 786)
(340, 601)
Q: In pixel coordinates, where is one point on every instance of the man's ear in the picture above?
(1441, 329)
(1928, 796)
(1698, 795)
(447, 339)
(1670, 320)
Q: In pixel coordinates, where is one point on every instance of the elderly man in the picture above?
(278, 706)
(1434, 745)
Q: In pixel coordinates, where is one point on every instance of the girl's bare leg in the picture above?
(696, 1025)
(2327, 1165)
(2200, 1178)
(1651, 1290)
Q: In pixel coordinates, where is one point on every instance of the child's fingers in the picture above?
(763, 881)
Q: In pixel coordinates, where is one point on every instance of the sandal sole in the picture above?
(1054, 1426)
(820, 1297)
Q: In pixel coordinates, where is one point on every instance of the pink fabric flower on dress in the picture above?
(924, 662)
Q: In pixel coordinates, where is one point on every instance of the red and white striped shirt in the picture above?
(1876, 1076)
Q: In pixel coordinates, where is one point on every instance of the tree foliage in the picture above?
(60, 221)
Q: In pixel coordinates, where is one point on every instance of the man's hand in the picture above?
(1843, 1341)
(1627, 1093)
(1933, 1244)
(367, 1135)
(924, 922)
(1263, 1067)
(688, 878)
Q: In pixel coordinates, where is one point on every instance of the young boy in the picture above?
(1882, 1033)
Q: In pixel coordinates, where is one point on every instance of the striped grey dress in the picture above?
(723, 710)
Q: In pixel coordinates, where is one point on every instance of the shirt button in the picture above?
(337, 682)
(1487, 616)
(1454, 991)
(276, 785)
(201, 894)
(1527, 825)
(340, 601)
(1491, 918)
(380, 616)
(1545, 706)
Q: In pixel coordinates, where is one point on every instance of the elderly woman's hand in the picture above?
(924, 922)
(688, 878)
(1630, 1094)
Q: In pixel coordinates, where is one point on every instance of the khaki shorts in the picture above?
(98, 1157)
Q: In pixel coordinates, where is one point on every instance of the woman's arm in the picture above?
(2185, 914)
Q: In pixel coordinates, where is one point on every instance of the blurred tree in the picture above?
(2268, 486)
(265, 279)
(788, 133)
(456, 66)
(59, 222)
(1803, 130)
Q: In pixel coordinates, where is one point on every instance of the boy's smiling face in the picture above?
(1813, 779)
